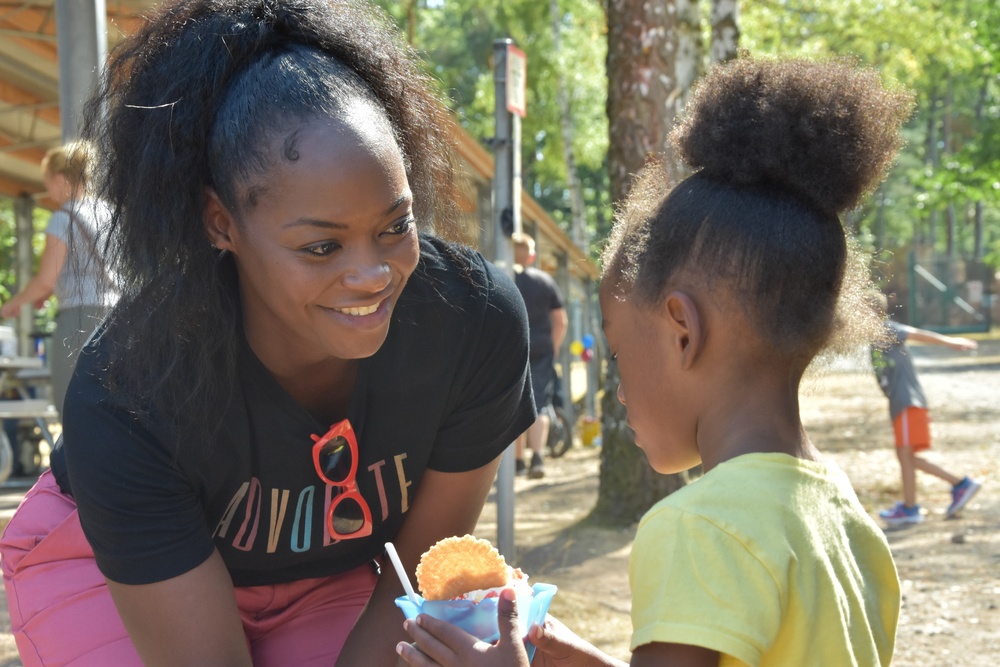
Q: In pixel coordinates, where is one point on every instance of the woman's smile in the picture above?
(363, 317)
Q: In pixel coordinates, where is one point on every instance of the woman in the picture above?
(71, 266)
(294, 374)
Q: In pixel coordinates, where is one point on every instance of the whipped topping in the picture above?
(515, 578)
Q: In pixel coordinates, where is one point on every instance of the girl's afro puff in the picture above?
(825, 130)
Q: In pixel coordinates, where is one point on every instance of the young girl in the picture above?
(269, 164)
(71, 265)
(715, 299)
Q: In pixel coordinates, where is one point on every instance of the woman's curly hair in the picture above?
(779, 149)
(191, 101)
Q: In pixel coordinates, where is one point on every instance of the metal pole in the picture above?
(563, 354)
(82, 38)
(24, 207)
(515, 167)
(594, 365)
(506, 219)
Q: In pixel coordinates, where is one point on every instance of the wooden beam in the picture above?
(35, 22)
(15, 188)
(16, 96)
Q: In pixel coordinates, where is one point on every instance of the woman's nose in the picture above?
(369, 274)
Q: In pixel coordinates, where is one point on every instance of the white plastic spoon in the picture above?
(394, 557)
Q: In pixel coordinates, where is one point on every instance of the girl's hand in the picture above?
(440, 643)
(558, 646)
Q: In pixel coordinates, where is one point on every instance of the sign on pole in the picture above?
(517, 81)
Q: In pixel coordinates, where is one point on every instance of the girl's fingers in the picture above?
(555, 639)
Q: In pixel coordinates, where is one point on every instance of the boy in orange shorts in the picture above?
(910, 419)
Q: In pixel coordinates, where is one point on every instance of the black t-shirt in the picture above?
(447, 391)
(541, 296)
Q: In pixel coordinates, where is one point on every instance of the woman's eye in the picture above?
(401, 227)
(322, 249)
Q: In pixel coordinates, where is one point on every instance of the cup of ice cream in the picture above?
(460, 579)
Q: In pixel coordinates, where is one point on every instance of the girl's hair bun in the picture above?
(824, 130)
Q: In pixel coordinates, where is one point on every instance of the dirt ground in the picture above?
(949, 569)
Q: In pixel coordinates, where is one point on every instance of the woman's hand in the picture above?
(438, 643)
(446, 504)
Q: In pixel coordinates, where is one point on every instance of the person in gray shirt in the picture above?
(898, 380)
(71, 267)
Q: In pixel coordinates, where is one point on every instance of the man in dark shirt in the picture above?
(547, 323)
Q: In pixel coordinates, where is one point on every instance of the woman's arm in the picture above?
(189, 621)
(446, 504)
(40, 287)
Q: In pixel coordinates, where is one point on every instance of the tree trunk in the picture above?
(946, 142)
(411, 21)
(880, 221)
(642, 89)
(690, 48)
(578, 225)
(725, 30)
(977, 219)
(950, 227)
(932, 160)
(977, 247)
(642, 46)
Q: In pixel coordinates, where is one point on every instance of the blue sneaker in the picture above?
(961, 494)
(899, 515)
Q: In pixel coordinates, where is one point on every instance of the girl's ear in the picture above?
(685, 323)
(218, 221)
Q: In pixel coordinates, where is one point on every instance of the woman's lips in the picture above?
(358, 311)
(363, 318)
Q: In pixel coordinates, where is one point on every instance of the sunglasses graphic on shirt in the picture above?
(335, 456)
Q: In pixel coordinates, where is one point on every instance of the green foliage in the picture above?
(8, 259)
(948, 55)
(8, 250)
(456, 38)
(941, 51)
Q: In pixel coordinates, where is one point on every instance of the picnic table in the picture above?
(20, 378)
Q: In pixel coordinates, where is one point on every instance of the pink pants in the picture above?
(61, 611)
